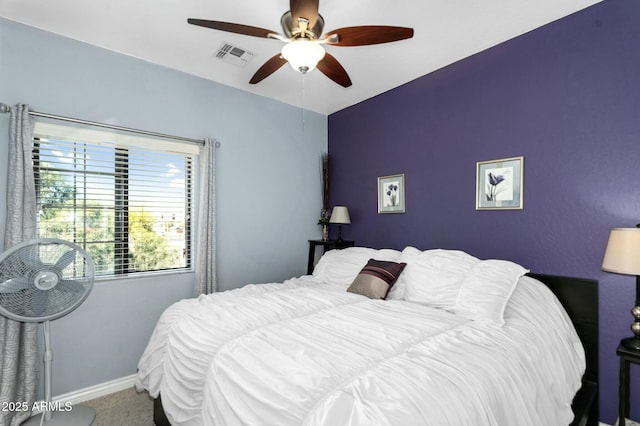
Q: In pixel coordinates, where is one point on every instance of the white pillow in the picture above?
(432, 277)
(342, 266)
(486, 290)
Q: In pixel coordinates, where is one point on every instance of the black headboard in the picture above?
(579, 296)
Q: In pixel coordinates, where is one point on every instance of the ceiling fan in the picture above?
(302, 26)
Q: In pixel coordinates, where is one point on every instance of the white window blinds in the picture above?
(126, 199)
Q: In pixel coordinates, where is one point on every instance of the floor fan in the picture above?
(42, 280)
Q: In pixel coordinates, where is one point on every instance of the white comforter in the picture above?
(304, 353)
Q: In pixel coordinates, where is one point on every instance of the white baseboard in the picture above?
(92, 392)
(96, 391)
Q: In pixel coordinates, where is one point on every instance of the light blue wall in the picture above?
(268, 182)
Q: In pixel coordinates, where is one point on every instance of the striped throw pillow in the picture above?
(376, 278)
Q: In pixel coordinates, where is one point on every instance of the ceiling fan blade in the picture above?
(330, 67)
(307, 9)
(366, 35)
(232, 28)
(269, 67)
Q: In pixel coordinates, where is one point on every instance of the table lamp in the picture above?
(340, 215)
(623, 257)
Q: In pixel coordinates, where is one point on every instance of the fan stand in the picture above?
(78, 415)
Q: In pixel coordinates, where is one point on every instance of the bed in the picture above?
(385, 337)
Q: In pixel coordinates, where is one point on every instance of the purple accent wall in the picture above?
(567, 98)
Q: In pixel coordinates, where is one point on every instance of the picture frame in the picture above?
(499, 184)
(391, 194)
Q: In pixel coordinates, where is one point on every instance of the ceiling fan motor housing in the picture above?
(289, 27)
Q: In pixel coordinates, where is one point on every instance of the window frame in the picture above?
(121, 262)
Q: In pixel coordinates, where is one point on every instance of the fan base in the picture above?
(79, 415)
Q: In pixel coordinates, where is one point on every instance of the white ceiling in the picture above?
(157, 31)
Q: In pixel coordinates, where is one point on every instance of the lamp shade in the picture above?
(303, 55)
(340, 214)
(623, 251)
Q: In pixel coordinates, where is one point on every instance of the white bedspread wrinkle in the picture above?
(303, 353)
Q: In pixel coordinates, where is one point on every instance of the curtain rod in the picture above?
(4, 108)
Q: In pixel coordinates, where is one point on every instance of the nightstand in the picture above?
(327, 245)
(627, 356)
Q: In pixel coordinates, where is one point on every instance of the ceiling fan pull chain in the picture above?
(302, 112)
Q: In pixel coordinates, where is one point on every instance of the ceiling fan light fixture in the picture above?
(303, 55)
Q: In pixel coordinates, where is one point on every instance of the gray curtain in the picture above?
(18, 341)
(206, 237)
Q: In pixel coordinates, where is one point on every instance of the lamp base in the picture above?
(631, 343)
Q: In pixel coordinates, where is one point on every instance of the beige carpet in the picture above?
(124, 408)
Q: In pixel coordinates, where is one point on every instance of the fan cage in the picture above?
(44, 279)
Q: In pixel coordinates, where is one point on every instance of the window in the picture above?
(126, 199)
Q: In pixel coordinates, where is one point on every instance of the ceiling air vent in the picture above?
(233, 55)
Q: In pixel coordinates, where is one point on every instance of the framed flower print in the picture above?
(391, 194)
(499, 184)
